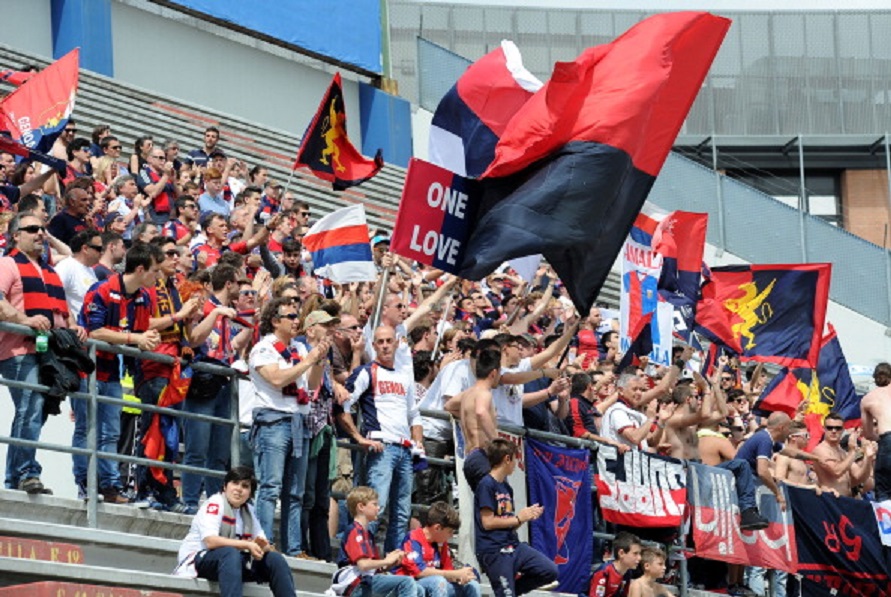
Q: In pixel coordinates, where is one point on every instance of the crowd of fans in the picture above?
(194, 253)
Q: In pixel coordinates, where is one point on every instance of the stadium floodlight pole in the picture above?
(802, 200)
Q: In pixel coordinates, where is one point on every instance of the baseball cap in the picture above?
(380, 239)
(319, 317)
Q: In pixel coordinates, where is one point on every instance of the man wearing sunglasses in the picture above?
(34, 296)
(284, 376)
(76, 272)
(841, 469)
(875, 412)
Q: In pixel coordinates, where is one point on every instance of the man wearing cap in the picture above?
(283, 376)
(212, 200)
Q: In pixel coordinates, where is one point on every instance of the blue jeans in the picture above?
(273, 447)
(390, 474)
(502, 568)
(438, 586)
(206, 445)
(229, 567)
(387, 585)
(745, 482)
(108, 418)
(21, 463)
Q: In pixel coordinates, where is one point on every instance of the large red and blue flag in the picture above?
(340, 246)
(328, 152)
(768, 313)
(36, 112)
(575, 163)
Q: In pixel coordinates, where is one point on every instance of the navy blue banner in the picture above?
(560, 480)
(839, 549)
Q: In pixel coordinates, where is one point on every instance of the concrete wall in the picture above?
(27, 26)
(865, 203)
(174, 54)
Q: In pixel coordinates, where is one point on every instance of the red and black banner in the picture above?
(326, 149)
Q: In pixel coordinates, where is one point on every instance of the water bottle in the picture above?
(42, 341)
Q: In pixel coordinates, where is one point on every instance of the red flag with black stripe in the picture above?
(574, 165)
(326, 149)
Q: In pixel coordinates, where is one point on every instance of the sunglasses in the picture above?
(249, 292)
(351, 327)
(726, 433)
(33, 229)
(833, 428)
(291, 316)
(172, 253)
(804, 435)
(114, 147)
(304, 213)
(399, 306)
(741, 400)
(726, 379)
(95, 248)
(70, 130)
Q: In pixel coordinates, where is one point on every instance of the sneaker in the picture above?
(550, 586)
(751, 520)
(305, 556)
(32, 486)
(740, 591)
(113, 495)
(82, 491)
(181, 508)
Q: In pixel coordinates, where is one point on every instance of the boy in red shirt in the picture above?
(612, 579)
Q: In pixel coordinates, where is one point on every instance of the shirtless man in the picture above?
(476, 414)
(691, 410)
(714, 433)
(840, 470)
(875, 412)
(792, 471)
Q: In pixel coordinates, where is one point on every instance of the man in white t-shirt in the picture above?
(283, 377)
(508, 397)
(623, 422)
(76, 272)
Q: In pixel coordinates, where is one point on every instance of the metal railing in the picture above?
(94, 399)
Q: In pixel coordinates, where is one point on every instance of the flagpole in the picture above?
(445, 313)
(288, 183)
(378, 308)
(575, 329)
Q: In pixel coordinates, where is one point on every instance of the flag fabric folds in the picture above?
(39, 109)
(327, 151)
(471, 117)
(339, 244)
(828, 388)
(560, 481)
(768, 313)
(575, 163)
(7, 144)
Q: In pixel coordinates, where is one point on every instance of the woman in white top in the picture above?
(226, 544)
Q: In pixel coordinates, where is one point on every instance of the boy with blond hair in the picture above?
(652, 559)
(360, 563)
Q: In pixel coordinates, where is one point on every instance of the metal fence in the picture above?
(94, 399)
(777, 73)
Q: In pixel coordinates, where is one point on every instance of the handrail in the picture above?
(91, 451)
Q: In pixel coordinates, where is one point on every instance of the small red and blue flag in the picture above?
(340, 246)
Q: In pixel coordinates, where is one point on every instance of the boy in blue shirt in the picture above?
(498, 549)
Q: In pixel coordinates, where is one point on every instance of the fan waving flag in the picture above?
(575, 163)
(36, 112)
(340, 247)
(768, 313)
(327, 151)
